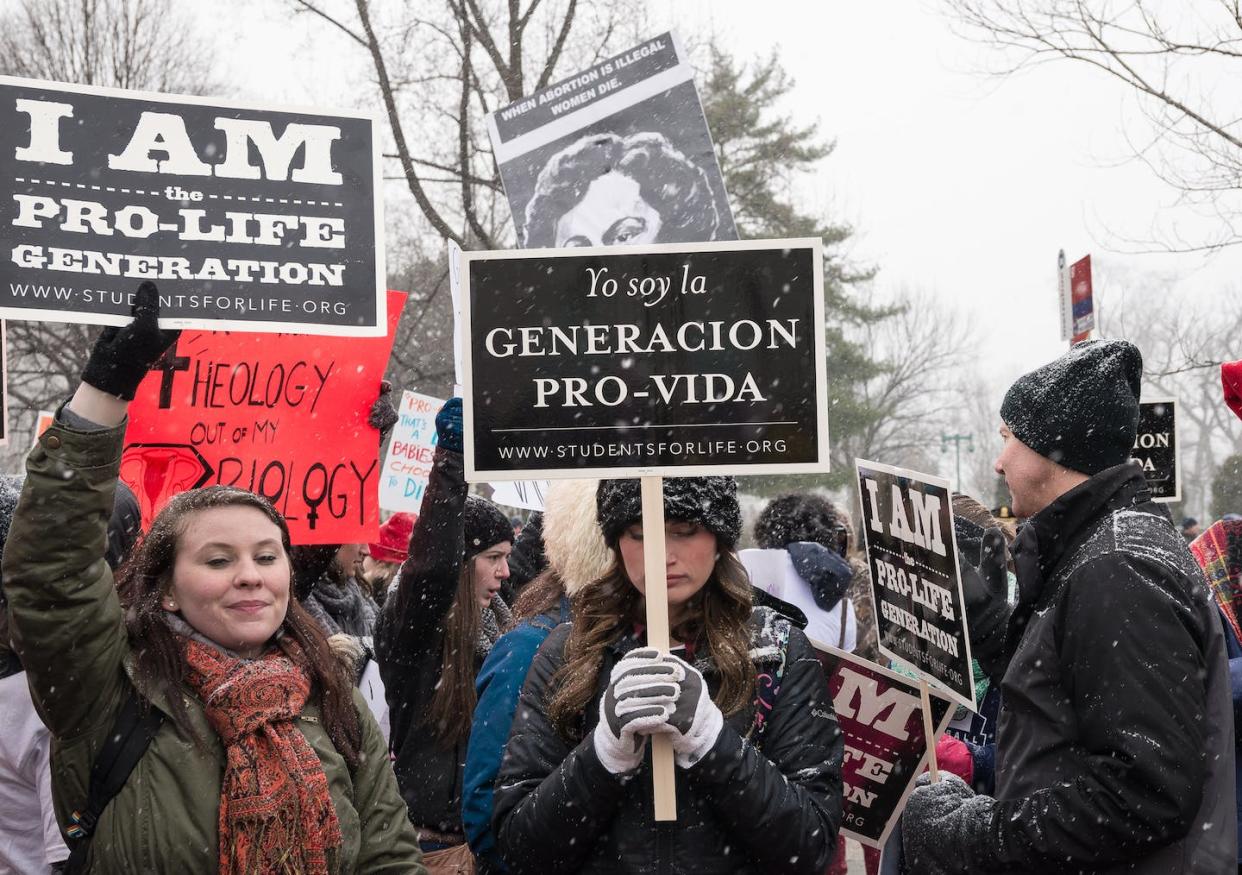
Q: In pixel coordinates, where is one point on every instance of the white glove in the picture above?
(694, 722)
(641, 692)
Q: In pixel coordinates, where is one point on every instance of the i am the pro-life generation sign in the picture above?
(247, 217)
(911, 548)
(1155, 448)
(668, 360)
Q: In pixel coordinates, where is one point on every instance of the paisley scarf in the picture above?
(276, 814)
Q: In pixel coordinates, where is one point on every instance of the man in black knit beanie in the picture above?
(1115, 748)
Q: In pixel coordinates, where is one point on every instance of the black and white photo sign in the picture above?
(907, 525)
(657, 360)
(618, 153)
(246, 217)
(1155, 448)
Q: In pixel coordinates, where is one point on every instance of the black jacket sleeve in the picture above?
(427, 581)
(784, 802)
(552, 801)
(1133, 656)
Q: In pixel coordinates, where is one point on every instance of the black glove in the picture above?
(944, 827)
(986, 591)
(383, 415)
(122, 356)
(449, 428)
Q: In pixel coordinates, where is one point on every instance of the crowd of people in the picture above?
(460, 697)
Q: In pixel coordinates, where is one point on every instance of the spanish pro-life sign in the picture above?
(247, 217)
(907, 525)
(617, 153)
(1155, 448)
(881, 717)
(645, 360)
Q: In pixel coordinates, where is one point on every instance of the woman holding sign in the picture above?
(242, 746)
(742, 698)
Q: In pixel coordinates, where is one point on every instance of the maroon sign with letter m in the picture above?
(880, 713)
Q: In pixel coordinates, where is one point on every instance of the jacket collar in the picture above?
(1057, 530)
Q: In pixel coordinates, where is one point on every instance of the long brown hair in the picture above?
(539, 596)
(452, 704)
(717, 618)
(158, 656)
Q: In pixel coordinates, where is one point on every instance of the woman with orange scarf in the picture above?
(266, 759)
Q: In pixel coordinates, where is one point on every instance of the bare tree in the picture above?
(441, 67)
(925, 349)
(1182, 341)
(1174, 56)
(137, 44)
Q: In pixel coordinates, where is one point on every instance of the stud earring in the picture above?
(170, 604)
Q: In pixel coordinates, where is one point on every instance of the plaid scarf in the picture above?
(1219, 553)
(276, 815)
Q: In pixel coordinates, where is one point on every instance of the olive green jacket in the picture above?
(66, 622)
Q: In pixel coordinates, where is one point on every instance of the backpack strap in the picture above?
(768, 686)
(131, 735)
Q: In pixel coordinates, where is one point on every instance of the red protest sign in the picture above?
(283, 415)
(881, 717)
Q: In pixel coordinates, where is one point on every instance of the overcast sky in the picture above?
(957, 183)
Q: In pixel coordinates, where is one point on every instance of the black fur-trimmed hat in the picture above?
(709, 501)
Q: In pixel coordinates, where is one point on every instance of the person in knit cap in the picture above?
(741, 698)
(436, 627)
(1115, 749)
(576, 555)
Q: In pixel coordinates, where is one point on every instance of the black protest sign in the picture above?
(1155, 448)
(886, 747)
(617, 153)
(247, 217)
(634, 361)
(907, 525)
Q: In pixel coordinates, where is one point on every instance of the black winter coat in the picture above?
(741, 809)
(408, 642)
(1115, 745)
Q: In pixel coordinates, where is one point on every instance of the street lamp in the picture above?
(957, 440)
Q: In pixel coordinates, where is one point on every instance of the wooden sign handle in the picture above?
(929, 732)
(655, 575)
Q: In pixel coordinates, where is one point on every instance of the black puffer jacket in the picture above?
(408, 642)
(1115, 747)
(741, 809)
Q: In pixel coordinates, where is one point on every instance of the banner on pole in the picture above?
(1077, 298)
(1155, 448)
(916, 589)
(248, 217)
(617, 153)
(880, 714)
(407, 464)
(633, 361)
(283, 415)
